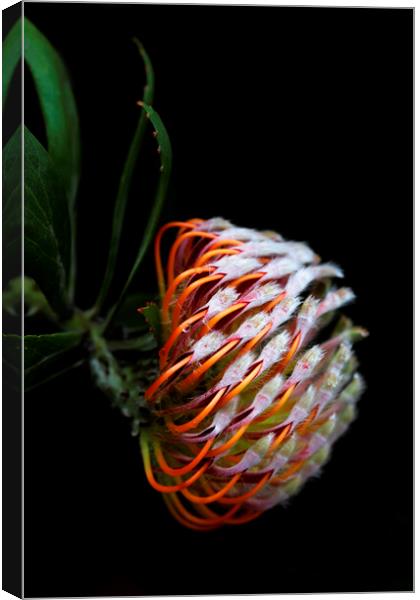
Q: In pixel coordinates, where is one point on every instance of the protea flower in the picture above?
(251, 393)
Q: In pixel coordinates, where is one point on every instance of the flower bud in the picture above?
(246, 408)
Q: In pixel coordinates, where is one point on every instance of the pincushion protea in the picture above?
(250, 397)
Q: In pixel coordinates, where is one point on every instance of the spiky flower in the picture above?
(251, 393)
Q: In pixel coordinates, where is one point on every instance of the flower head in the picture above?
(251, 393)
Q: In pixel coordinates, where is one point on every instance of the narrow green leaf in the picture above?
(12, 50)
(42, 353)
(126, 178)
(165, 150)
(47, 226)
(57, 104)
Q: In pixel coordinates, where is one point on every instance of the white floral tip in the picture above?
(207, 345)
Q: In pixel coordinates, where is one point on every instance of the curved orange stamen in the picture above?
(164, 351)
(205, 257)
(274, 302)
(304, 426)
(292, 351)
(278, 404)
(165, 489)
(223, 313)
(179, 279)
(176, 245)
(174, 472)
(189, 290)
(247, 495)
(158, 260)
(286, 475)
(242, 385)
(282, 436)
(198, 418)
(210, 520)
(248, 277)
(231, 442)
(166, 375)
(225, 242)
(213, 497)
(255, 340)
(199, 371)
(182, 520)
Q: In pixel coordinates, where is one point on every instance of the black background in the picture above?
(295, 119)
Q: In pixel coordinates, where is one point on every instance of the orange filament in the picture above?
(304, 426)
(223, 313)
(231, 442)
(166, 375)
(208, 521)
(198, 418)
(176, 333)
(225, 242)
(247, 495)
(165, 489)
(292, 351)
(199, 371)
(171, 289)
(287, 474)
(213, 497)
(186, 523)
(176, 245)
(188, 290)
(174, 472)
(274, 302)
(312, 428)
(254, 341)
(203, 259)
(248, 277)
(242, 385)
(158, 260)
(282, 435)
(244, 518)
(277, 405)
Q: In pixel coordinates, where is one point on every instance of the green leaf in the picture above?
(61, 121)
(165, 150)
(126, 178)
(57, 104)
(39, 349)
(42, 353)
(12, 48)
(47, 226)
(12, 193)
